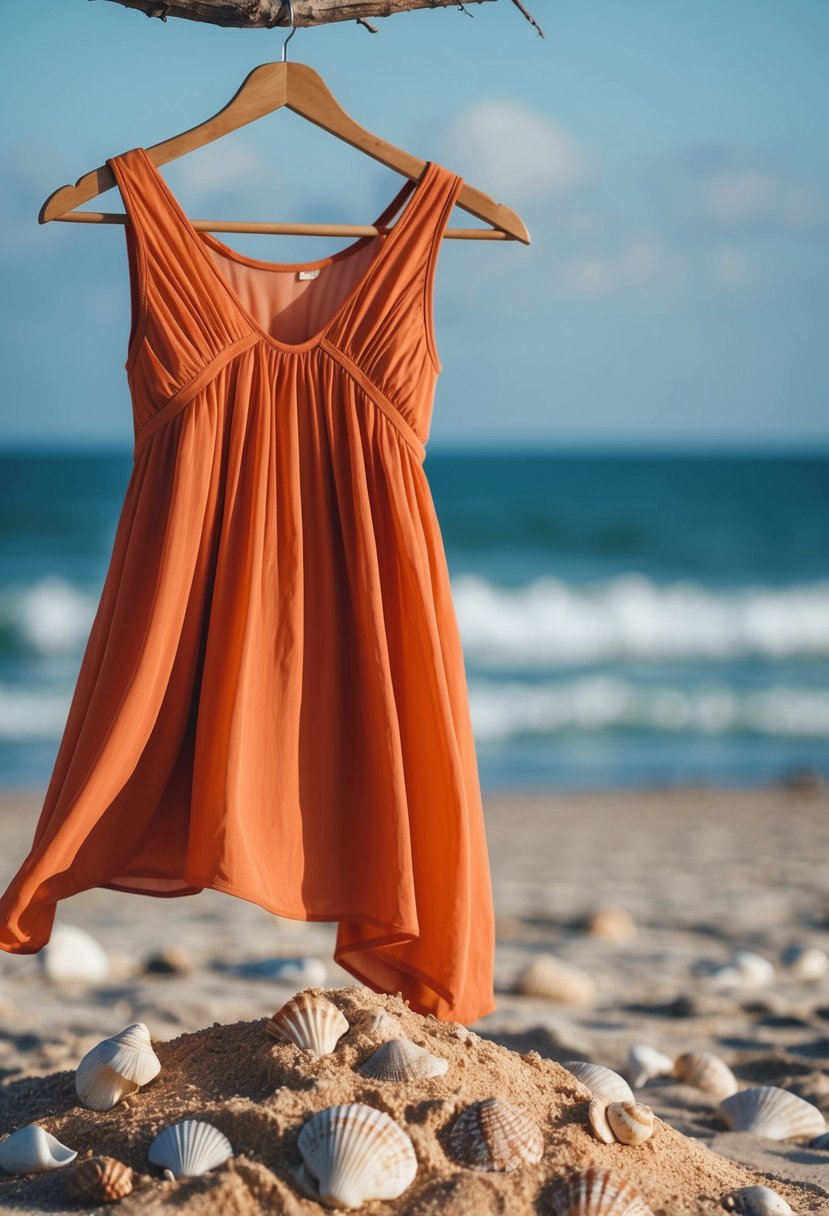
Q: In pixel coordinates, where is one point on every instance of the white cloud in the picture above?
(514, 153)
(733, 190)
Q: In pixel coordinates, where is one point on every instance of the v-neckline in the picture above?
(409, 190)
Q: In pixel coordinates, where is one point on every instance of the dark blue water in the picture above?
(626, 620)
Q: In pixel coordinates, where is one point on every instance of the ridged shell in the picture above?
(353, 1154)
(116, 1067)
(599, 1192)
(309, 1021)
(775, 1113)
(707, 1072)
(645, 1062)
(630, 1122)
(556, 980)
(33, 1150)
(602, 1082)
(402, 1060)
(597, 1118)
(100, 1180)
(611, 922)
(190, 1148)
(756, 1201)
(494, 1135)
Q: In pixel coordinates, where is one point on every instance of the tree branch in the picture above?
(267, 14)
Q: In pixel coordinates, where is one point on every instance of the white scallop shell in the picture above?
(116, 1067)
(598, 1192)
(601, 1081)
(771, 1112)
(402, 1060)
(644, 1063)
(806, 962)
(74, 956)
(381, 1025)
(597, 1118)
(556, 980)
(494, 1135)
(756, 1201)
(32, 1150)
(190, 1148)
(630, 1122)
(707, 1072)
(311, 1022)
(353, 1154)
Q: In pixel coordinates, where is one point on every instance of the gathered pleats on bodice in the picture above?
(273, 700)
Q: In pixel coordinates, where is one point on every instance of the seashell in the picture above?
(100, 1180)
(169, 960)
(382, 1025)
(707, 1072)
(774, 1113)
(494, 1135)
(630, 1122)
(302, 972)
(756, 1201)
(353, 1154)
(33, 1150)
(602, 1082)
(597, 1118)
(311, 1022)
(611, 922)
(556, 980)
(598, 1192)
(644, 1063)
(806, 962)
(116, 1067)
(402, 1060)
(190, 1148)
(746, 969)
(73, 955)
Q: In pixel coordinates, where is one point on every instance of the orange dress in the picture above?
(272, 701)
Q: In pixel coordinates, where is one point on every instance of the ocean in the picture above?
(631, 621)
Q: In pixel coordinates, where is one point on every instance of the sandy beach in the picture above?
(682, 881)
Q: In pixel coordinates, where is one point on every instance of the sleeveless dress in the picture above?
(272, 701)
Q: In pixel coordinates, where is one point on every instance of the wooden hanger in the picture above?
(267, 88)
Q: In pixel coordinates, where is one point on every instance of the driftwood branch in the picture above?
(268, 14)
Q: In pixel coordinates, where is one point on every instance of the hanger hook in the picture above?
(293, 31)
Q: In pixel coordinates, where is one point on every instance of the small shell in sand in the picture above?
(746, 970)
(353, 1154)
(556, 980)
(100, 1180)
(494, 1135)
(598, 1192)
(190, 1148)
(74, 956)
(630, 1122)
(597, 1118)
(756, 1201)
(116, 1067)
(402, 1060)
(612, 923)
(33, 1150)
(383, 1026)
(806, 962)
(707, 1072)
(602, 1082)
(771, 1112)
(644, 1063)
(311, 1022)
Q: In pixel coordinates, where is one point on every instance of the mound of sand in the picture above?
(260, 1093)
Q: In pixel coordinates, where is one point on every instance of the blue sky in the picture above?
(668, 157)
